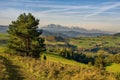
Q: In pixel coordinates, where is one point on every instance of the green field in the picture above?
(56, 58)
(113, 68)
(52, 57)
(3, 38)
(102, 41)
(82, 42)
(14, 67)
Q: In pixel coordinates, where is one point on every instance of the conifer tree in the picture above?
(24, 36)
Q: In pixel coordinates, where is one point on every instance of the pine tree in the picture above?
(24, 36)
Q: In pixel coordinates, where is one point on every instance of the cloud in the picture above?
(103, 9)
(44, 7)
(65, 14)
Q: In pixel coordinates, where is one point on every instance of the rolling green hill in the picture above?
(80, 42)
(103, 41)
(56, 58)
(15, 67)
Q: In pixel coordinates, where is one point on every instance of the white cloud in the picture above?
(103, 9)
(70, 15)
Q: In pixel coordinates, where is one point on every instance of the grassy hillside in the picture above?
(25, 68)
(56, 58)
(113, 68)
(13, 67)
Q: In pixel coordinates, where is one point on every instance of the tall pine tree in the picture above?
(24, 36)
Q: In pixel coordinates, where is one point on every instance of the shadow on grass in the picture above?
(108, 64)
(12, 70)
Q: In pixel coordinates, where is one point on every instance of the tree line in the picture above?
(100, 59)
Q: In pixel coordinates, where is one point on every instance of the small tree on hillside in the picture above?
(100, 62)
(24, 36)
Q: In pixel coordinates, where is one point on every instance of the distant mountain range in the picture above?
(59, 28)
(116, 34)
(3, 29)
(64, 31)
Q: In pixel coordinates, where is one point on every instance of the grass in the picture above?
(27, 68)
(3, 72)
(54, 43)
(55, 67)
(88, 42)
(3, 38)
(82, 42)
(113, 68)
(56, 58)
(2, 49)
(11, 72)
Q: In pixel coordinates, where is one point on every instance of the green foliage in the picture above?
(66, 52)
(57, 58)
(79, 57)
(100, 62)
(24, 36)
(116, 58)
(27, 68)
(117, 34)
(2, 49)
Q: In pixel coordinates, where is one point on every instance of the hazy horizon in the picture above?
(88, 14)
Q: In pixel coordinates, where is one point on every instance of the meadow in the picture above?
(56, 67)
(15, 67)
(89, 42)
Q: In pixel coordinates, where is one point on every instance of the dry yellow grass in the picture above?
(27, 68)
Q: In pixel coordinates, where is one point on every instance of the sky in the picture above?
(89, 14)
